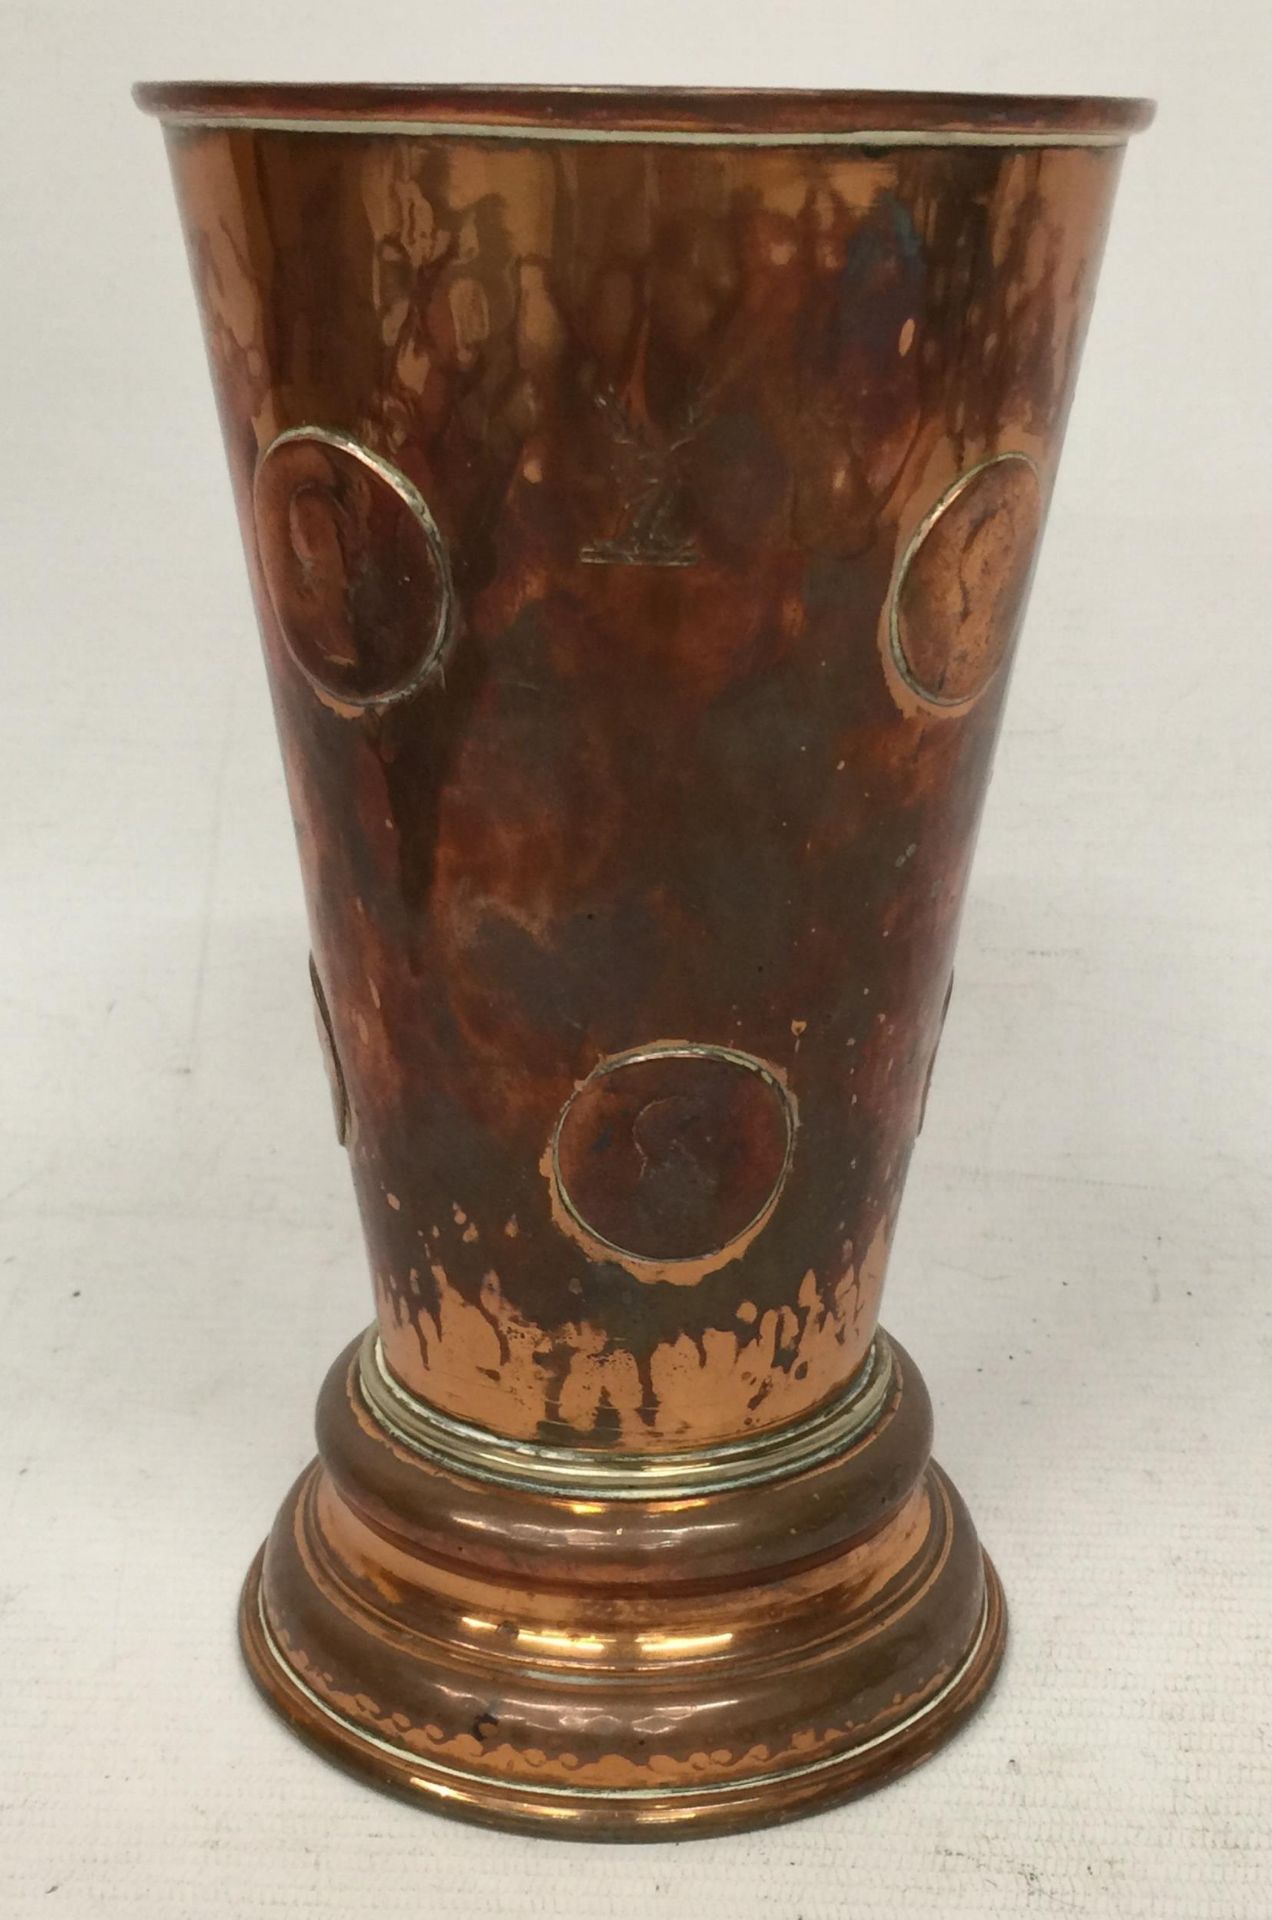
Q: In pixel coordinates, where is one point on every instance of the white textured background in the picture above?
(1083, 1262)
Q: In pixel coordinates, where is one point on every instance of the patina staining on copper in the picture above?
(355, 567)
(475, 1449)
(758, 1366)
(960, 591)
(639, 528)
(673, 1155)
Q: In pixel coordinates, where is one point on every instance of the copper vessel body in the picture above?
(640, 495)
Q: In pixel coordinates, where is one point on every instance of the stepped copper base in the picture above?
(623, 1668)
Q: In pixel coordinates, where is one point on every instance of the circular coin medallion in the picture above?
(356, 569)
(673, 1153)
(961, 586)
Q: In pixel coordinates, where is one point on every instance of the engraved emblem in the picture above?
(672, 1156)
(356, 568)
(648, 469)
(961, 587)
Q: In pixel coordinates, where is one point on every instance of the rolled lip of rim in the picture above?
(689, 111)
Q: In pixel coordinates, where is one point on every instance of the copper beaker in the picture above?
(640, 492)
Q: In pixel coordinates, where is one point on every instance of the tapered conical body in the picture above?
(641, 495)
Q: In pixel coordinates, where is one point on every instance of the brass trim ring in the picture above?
(562, 134)
(481, 1454)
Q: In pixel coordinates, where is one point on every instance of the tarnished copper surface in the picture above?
(641, 493)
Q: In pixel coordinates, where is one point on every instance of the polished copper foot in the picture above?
(748, 1641)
